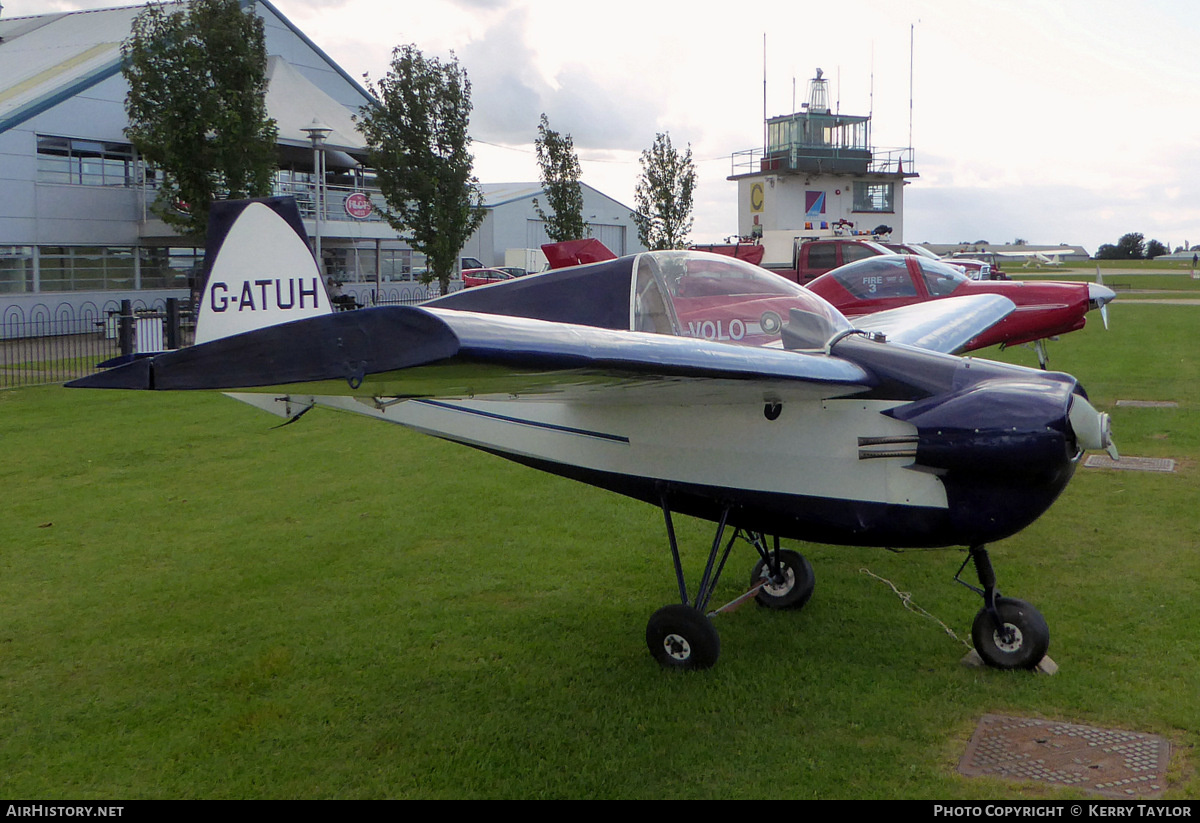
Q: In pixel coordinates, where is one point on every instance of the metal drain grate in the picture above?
(1137, 464)
(1110, 762)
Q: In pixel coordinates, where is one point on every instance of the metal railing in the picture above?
(335, 201)
(53, 346)
(883, 161)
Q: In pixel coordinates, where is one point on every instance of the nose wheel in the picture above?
(1018, 640)
(1008, 633)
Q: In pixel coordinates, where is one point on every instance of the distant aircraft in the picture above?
(637, 375)
(1036, 258)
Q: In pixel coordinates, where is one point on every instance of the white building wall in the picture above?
(18, 170)
(97, 113)
(33, 213)
(785, 198)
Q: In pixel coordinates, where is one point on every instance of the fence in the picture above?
(66, 342)
(53, 345)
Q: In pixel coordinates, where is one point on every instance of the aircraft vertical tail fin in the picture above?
(258, 269)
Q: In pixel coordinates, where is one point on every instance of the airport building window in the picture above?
(16, 269)
(873, 197)
(24, 269)
(85, 162)
(86, 268)
(357, 265)
(169, 268)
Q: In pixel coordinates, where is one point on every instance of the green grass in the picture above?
(37, 371)
(1158, 264)
(1126, 276)
(1122, 283)
(194, 604)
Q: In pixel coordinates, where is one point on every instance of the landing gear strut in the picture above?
(1008, 633)
(682, 636)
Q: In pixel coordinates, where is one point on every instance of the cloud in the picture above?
(511, 88)
(1041, 214)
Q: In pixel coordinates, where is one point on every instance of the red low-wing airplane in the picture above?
(886, 282)
(866, 434)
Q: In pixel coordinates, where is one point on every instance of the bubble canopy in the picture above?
(682, 293)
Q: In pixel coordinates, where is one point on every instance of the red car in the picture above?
(879, 283)
(481, 277)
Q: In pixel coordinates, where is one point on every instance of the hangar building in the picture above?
(76, 230)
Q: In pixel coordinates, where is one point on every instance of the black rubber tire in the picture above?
(680, 637)
(794, 591)
(1024, 649)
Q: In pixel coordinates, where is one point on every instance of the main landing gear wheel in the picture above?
(681, 637)
(1020, 643)
(794, 585)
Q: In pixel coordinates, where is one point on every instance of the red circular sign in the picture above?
(358, 206)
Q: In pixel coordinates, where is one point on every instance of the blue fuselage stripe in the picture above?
(614, 438)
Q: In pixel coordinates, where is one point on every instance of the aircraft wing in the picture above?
(402, 351)
(945, 325)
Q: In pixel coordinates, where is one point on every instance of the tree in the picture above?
(416, 131)
(560, 175)
(197, 106)
(664, 196)
(1154, 248)
(1131, 246)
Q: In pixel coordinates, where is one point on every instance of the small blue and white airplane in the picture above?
(789, 422)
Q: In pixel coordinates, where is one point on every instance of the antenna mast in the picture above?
(764, 92)
(911, 28)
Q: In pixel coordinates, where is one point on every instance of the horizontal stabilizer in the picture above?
(945, 326)
(344, 346)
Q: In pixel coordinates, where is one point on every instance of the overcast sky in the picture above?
(1056, 121)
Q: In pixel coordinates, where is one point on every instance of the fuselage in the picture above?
(968, 465)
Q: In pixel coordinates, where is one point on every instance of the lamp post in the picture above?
(317, 132)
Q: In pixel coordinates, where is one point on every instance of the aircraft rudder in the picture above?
(258, 269)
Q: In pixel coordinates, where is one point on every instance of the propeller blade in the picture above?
(1099, 296)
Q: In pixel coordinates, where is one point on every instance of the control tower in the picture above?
(818, 175)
